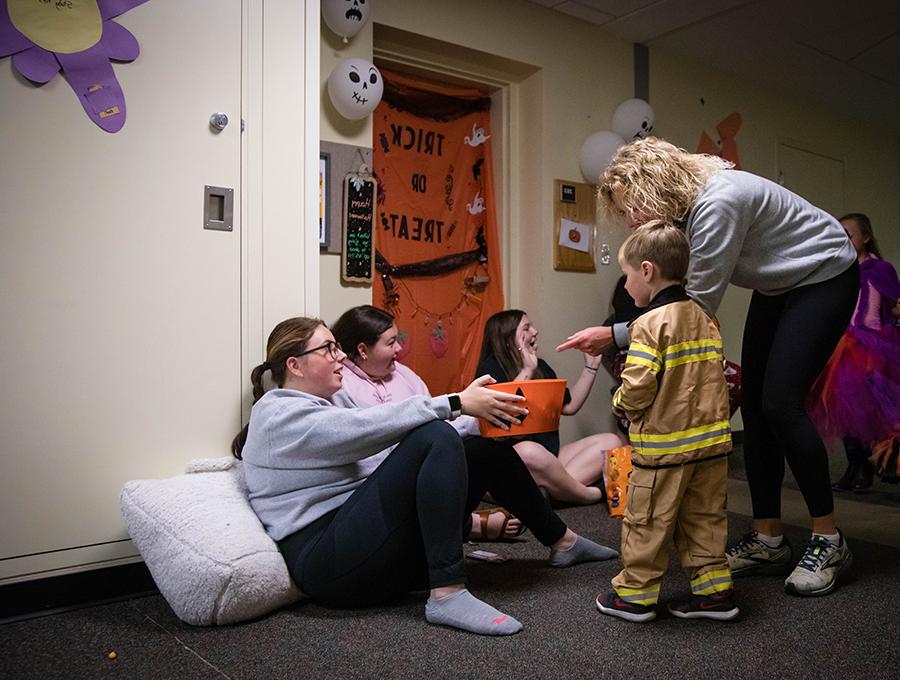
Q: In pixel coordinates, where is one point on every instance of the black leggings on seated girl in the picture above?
(403, 528)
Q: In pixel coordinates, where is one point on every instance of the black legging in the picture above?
(402, 529)
(788, 338)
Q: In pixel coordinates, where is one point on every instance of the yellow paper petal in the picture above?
(64, 26)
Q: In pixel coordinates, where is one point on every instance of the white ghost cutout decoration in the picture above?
(355, 87)
(346, 17)
(633, 119)
(596, 152)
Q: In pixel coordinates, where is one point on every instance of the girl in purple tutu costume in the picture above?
(857, 396)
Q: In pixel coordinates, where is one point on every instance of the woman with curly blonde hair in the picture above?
(751, 232)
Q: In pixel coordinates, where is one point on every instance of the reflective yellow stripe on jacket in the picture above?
(644, 355)
(683, 441)
(692, 351)
(676, 355)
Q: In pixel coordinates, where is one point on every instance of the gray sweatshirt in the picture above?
(754, 233)
(304, 456)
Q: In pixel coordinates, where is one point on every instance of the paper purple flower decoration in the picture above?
(88, 71)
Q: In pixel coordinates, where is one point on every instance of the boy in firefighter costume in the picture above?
(674, 393)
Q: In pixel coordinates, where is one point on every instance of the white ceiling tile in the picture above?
(883, 62)
(666, 16)
(576, 9)
(845, 54)
(547, 3)
(854, 39)
(617, 8)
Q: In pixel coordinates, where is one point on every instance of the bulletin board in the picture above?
(574, 220)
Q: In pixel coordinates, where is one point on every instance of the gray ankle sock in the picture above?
(583, 551)
(465, 611)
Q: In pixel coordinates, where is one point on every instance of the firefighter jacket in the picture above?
(673, 385)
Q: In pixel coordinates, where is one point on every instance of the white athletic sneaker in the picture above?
(751, 556)
(820, 567)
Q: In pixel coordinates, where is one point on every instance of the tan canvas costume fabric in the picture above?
(687, 504)
(674, 393)
(673, 389)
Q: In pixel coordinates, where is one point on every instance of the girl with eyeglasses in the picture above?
(367, 504)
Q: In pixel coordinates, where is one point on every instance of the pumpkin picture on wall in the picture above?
(726, 144)
(77, 37)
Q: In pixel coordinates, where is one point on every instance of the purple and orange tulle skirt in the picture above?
(858, 392)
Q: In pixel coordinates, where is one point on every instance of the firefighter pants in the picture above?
(686, 503)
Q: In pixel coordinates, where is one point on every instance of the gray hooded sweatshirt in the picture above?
(754, 233)
(304, 456)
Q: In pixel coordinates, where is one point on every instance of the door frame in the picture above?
(279, 171)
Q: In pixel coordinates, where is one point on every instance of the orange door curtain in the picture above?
(437, 250)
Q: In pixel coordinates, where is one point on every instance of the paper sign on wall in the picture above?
(575, 235)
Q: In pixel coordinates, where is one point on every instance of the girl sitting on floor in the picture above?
(509, 353)
(367, 504)
(372, 375)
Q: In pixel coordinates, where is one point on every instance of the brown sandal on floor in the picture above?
(484, 518)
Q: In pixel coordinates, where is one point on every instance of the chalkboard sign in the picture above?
(357, 257)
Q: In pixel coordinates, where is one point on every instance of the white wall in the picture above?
(150, 254)
(583, 74)
(869, 155)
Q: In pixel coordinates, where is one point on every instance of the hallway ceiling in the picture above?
(845, 55)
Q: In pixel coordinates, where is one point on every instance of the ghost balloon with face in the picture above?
(346, 17)
(355, 87)
(633, 119)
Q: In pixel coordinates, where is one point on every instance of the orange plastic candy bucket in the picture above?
(544, 401)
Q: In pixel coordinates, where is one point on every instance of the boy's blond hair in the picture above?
(661, 243)
(657, 179)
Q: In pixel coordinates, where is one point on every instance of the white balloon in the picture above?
(355, 87)
(596, 153)
(346, 17)
(633, 119)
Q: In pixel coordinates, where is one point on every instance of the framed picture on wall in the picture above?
(324, 207)
(335, 162)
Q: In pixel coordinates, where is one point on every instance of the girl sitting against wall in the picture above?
(367, 504)
(372, 375)
(509, 353)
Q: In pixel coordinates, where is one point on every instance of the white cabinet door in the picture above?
(120, 346)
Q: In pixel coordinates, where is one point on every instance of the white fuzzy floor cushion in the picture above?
(204, 546)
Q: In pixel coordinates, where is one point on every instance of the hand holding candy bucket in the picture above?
(544, 401)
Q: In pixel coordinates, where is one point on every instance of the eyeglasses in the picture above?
(334, 349)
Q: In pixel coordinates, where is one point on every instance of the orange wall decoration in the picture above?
(437, 249)
(726, 147)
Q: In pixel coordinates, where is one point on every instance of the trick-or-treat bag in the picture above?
(618, 469)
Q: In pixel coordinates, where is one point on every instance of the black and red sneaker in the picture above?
(718, 606)
(613, 605)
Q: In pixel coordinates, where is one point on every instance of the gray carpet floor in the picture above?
(850, 634)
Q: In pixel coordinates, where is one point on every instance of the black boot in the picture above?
(845, 483)
(859, 475)
(862, 480)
